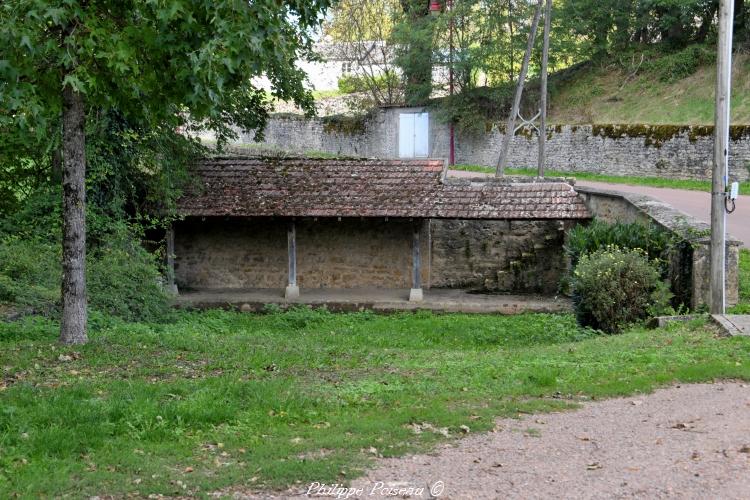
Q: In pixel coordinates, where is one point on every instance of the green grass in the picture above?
(219, 398)
(743, 307)
(606, 94)
(689, 184)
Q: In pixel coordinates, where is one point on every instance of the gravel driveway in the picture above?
(689, 441)
(683, 442)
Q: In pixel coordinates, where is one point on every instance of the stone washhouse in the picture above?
(394, 234)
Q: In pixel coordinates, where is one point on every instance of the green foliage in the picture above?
(350, 84)
(157, 63)
(613, 288)
(413, 38)
(123, 280)
(678, 65)
(743, 306)
(597, 235)
(129, 412)
(30, 274)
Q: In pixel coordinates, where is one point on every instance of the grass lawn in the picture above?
(689, 184)
(218, 398)
(744, 305)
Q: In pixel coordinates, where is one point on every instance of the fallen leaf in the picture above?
(188, 469)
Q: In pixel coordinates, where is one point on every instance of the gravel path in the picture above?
(690, 441)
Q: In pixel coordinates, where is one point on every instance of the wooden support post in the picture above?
(543, 101)
(171, 286)
(416, 295)
(511, 125)
(720, 175)
(292, 290)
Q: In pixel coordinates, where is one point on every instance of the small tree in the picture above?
(157, 62)
(361, 31)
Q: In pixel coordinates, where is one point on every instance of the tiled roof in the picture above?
(303, 187)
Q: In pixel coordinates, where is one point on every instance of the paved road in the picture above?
(695, 203)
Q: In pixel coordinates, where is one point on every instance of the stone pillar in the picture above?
(292, 290)
(415, 294)
(171, 286)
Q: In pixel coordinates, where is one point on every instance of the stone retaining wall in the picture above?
(689, 264)
(680, 152)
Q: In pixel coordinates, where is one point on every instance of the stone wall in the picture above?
(689, 265)
(683, 152)
(502, 256)
(505, 256)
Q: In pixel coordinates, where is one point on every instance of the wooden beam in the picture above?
(415, 295)
(292, 290)
(171, 286)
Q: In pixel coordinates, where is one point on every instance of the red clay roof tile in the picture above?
(303, 187)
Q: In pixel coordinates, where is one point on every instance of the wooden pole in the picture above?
(543, 90)
(719, 178)
(171, 286)
(416, 294)
(291, 240)
(509, 132)
(292, 290)
(416, 268)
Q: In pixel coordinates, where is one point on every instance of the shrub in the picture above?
(613, 288)
(123, 279)
(597, 235)
(30, 275)
(678, 65)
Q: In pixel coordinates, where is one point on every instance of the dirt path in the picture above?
(683, 441)
(690, 441)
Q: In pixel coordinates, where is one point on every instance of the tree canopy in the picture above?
(153, 66)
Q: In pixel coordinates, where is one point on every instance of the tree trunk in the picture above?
(73, 325)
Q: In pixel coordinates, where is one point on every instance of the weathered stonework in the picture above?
(672, 151)
(503, 256)
(689, 264)
(494, 256)
(252, 253)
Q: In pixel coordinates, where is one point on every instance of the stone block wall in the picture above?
(501, 256)
(252, 253)
(671, 151)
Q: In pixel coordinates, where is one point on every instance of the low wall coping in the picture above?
(670, 218)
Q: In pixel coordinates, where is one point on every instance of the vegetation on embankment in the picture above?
(615, 92)
(744, 305)
(221, 399)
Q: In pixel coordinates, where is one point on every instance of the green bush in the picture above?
(30, 275)
(123, 279)
(597, 235)
(613, 288)
(351, 84)
(679, 65)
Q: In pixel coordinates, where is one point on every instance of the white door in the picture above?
(413, 135)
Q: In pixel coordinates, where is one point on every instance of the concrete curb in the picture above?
(733, 324)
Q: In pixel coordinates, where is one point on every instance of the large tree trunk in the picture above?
(73, 325)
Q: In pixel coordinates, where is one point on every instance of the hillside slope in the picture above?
(610, 94)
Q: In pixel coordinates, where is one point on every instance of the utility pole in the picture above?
(720, 176)
(452, 158)
(543, 91)
(511, 128)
